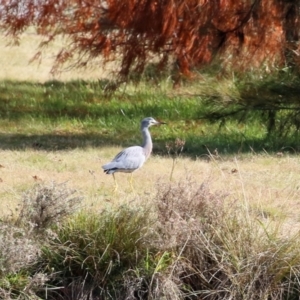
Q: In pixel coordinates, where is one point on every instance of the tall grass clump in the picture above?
(223, 251)
(99, 253)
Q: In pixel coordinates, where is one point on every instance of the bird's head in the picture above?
(147, 122)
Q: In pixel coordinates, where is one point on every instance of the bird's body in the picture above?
(127, 161)
(133, 158)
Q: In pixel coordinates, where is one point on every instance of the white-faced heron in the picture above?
(133, 158)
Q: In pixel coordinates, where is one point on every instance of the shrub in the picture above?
(45, 204)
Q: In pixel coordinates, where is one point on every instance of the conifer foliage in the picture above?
(242, 33)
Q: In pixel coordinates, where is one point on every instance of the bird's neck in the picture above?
(147, 141)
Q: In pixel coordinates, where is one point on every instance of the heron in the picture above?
(133, 158)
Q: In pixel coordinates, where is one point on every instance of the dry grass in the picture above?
(16, 65)
(268, 184)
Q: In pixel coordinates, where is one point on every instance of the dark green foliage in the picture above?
(271, 98)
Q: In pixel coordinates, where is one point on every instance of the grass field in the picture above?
(267, 182)
(63, 129)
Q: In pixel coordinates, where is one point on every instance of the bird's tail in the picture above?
(110, 171)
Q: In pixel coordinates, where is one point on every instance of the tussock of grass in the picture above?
(223, 251)
(102, 249)
(182, 204)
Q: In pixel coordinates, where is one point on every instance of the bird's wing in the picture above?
(129, 159)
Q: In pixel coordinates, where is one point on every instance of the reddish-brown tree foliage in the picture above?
(242, 34)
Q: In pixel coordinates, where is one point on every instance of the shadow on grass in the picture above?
(118, 114)
(90, 103)
(194, 146)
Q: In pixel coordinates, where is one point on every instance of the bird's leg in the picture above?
(131, 180)
(116, 184)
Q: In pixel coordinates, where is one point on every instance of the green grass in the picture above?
(100, 247)
(57, 115)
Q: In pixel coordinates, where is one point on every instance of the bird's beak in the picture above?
(161, 123)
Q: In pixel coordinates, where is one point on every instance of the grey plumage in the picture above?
(133, 158)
